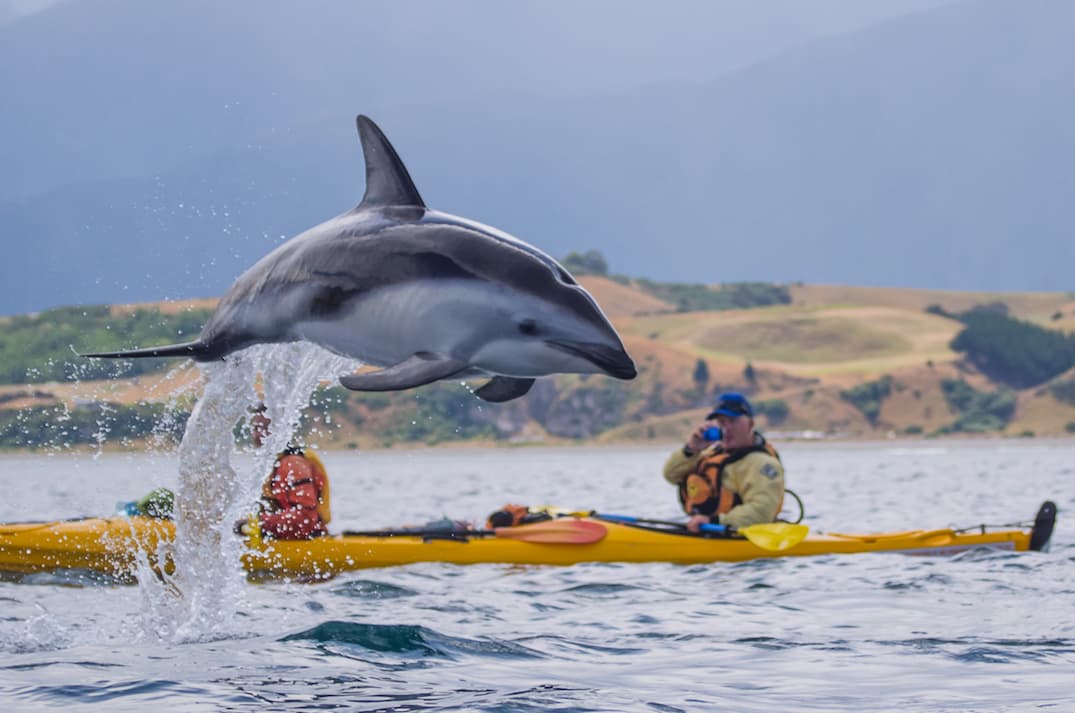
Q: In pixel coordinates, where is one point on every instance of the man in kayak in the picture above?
(295, 496)
(727, 473)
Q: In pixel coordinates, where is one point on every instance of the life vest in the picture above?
(293, 467)
(702, 492)
(324, 506)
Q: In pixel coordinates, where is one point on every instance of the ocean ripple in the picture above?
(405, 639)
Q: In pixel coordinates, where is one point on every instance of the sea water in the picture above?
(981, 631)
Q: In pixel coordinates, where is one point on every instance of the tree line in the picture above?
(1012, 351)
(56, 426)
(45, 346)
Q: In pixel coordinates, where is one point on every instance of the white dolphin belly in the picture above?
(387, 325)
(470, 321)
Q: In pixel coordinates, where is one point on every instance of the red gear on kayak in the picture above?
(291, 498)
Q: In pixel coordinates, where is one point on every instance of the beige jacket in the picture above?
(758, 480)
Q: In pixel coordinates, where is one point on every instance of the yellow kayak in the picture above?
(109, 545)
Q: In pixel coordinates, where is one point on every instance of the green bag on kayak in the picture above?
(159, 503)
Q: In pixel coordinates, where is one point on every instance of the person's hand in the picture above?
(696, 441)
(696, 521)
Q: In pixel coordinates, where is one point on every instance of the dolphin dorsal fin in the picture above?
(387, 180)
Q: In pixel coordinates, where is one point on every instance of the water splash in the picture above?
(202, 598)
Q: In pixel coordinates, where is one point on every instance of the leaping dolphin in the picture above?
(423, 294)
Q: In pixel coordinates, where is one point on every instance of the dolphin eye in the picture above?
(528, 327)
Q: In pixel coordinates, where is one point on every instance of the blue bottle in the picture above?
(127, 507)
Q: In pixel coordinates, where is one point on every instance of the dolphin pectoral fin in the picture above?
(503, 388)
(414, 371)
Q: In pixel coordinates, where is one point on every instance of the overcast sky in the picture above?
(848, 137)
(699, 37)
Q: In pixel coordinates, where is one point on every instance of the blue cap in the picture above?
(732, 404)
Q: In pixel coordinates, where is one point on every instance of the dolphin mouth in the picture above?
(612, 361)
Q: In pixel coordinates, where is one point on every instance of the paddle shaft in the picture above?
(565, 532)
(420, 533)
(776, 536)
(704, 527)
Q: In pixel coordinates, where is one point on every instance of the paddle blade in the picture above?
(562, 531)
(775, 536)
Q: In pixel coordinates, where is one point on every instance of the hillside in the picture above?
(849, 362)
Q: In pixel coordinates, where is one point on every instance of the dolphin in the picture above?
(423, 294)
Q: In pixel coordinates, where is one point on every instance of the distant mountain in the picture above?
(103, 89)
(933, 150)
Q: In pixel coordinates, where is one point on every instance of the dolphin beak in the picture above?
(611, 360)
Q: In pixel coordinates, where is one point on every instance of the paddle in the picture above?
(772, 536)
(562, 532)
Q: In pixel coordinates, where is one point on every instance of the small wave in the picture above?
(114, 692)
(991, 554)
(765, 642)
(37, 633)
(973, 650)
(601, 588)
(771, 643)
(569, 647)
(406, 639)
(918, 582)
(371, 589)
(46, 664)
(76, 578)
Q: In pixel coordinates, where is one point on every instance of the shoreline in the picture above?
(872, 441)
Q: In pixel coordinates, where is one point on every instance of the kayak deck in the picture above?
(110, 546)
(623, 544)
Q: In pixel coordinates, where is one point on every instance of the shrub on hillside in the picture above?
(775, 410)
(979, 411)
(442, 412)
(868, 397)
(591, 262)
(330, 399)
(940, 311)
(587, 409)
(694, 297)
(755, 294)
(1064, 391)
(42, 347)
(701, 374)
(994, 308)
(1014, 352)
(57, 426)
